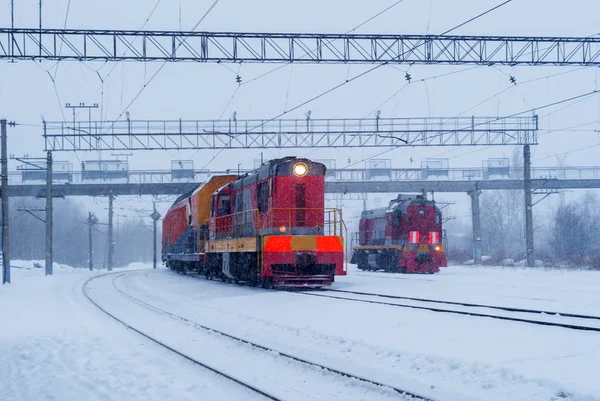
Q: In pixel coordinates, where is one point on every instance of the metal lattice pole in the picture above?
(111, 245)
(49, 221)
(90, 222)
(5, 229)
(528, 206)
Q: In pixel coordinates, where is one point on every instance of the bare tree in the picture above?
(70, 236)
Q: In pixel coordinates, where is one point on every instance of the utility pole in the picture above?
(49, 222)
(91, 220)
(155, 217)
(528, 206)
(4, 194)
(111, 246)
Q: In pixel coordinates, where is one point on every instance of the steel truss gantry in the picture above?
(287, 133)
(115, 45)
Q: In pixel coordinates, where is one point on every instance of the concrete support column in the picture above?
(476, 219)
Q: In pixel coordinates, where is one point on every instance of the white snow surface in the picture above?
(55, 345)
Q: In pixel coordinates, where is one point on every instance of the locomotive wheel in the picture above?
(267, 283)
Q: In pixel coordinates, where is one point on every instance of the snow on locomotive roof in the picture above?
(402, 199)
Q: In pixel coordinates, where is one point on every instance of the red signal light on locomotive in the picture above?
(434, 238)
(300, 169)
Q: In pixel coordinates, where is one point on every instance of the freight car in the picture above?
(267, 228)
(404, 237)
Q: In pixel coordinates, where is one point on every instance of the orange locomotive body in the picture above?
(405, 237)
(267, 228)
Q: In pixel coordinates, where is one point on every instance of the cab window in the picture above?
(263, 196)
(224, 205)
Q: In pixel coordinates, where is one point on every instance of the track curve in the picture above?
(167, 347)
(404, 392)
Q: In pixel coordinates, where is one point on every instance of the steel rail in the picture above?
(505, 308)
(458, 312)
(158, 342)
(268, 349)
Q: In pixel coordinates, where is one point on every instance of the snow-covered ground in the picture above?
(576, 291)
(53, 329)
(55, 345)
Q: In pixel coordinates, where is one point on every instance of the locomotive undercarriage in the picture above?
(378, 259)
(242, 267)
(389, 260)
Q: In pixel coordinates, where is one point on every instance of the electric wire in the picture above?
(376, 15)
(223, 112)
(562, 101)
(285, 65)
(362, 74)
(497, 95)
(146, 22)
(476, 17)
(61, 43)
(328, 42)
(147, 83)
(492, 97)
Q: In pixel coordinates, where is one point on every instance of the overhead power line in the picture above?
(562, 101)
(164, 63)
(328, 42)
(285, 65)
(476, 17)
(347, 81)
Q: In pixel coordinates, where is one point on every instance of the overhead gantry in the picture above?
(238, 47)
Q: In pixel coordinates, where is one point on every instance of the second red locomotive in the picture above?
(405, 237)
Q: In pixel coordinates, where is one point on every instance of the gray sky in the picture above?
(201, 91)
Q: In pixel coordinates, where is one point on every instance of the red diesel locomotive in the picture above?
(268, 228)
(405, 237)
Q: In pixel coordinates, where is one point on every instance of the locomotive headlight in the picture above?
(437, 248)
(282, 229)
(300, 169)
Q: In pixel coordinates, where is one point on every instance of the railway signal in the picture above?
(155, 217)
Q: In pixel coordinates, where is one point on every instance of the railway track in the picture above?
(468, 309)
(171, 349)
(406, 393)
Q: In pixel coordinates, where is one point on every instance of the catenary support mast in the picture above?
(49, 222)
(5, 220)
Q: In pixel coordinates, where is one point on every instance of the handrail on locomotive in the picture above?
(242, 224)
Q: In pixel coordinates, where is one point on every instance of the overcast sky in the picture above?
(202, 91)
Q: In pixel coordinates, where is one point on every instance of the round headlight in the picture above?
(437, 248)
(300, 169)
(282, 229)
